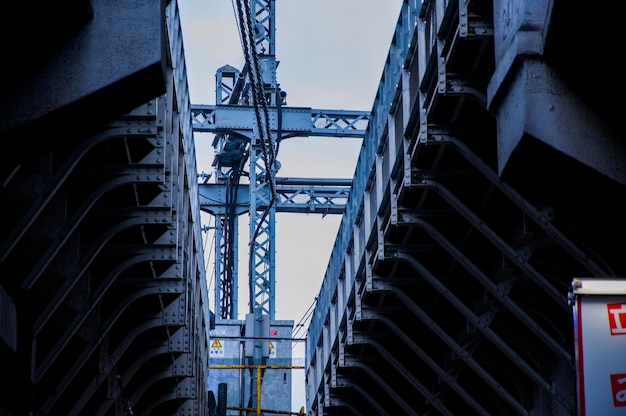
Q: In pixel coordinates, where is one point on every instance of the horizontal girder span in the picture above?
(323, 196)
(287, 121)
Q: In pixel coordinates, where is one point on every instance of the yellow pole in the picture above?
(258, 386)
(258, 391)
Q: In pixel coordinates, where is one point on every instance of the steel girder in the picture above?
(110, 275)
(101, 260)
(447, 290)
(243, 132)
(313, 199)
(294, 121)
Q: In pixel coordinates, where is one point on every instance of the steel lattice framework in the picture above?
(238, 125)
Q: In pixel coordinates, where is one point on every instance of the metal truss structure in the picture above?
(491, 174)
(490, 177)
(238, 125)
(104, 304)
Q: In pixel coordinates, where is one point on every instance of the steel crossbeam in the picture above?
(295, 121)
(244, 132)
(313, 199)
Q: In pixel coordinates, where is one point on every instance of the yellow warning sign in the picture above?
(272, 350)
(217, 349)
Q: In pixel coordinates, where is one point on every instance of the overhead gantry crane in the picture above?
(249, 121)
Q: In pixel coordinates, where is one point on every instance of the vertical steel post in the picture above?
(262, 225)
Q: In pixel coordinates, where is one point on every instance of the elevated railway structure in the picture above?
(491, 174)
(103, 300)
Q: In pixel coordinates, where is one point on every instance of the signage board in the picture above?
(600, 341)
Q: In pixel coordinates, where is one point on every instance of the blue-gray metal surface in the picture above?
(242, 128)
(103, 289)
(492, 174)
(470, 213)
(294, 121)
(249, 122)
(312, 199)
(229, 365)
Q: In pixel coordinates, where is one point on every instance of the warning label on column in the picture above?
(217, 349)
